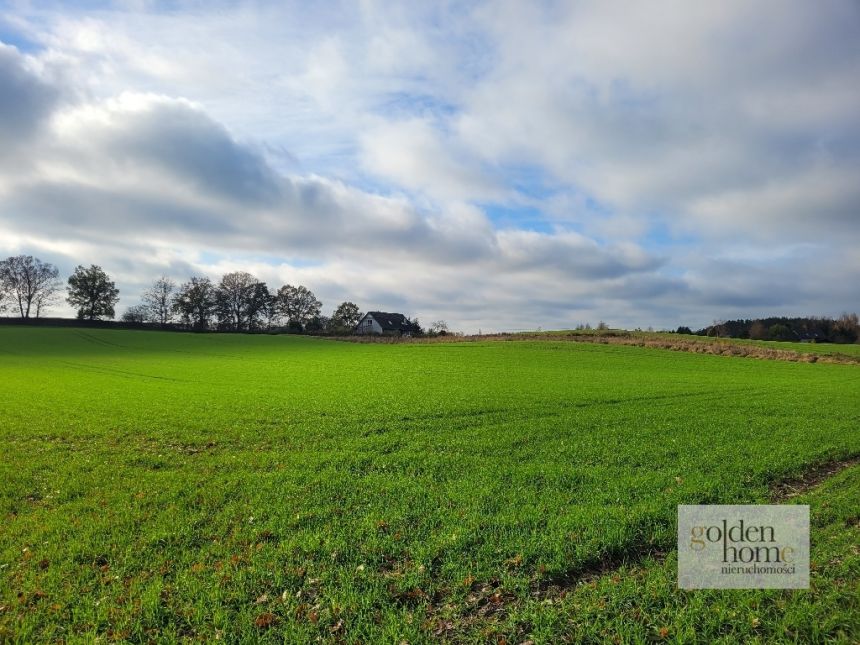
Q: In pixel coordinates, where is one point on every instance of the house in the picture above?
(381, 322)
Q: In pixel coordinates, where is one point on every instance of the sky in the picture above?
(498, 165)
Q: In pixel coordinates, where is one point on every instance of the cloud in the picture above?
(134, 176)
(499, 165)
(657, 108)
(25, 101)
(169, 140)
(415, 156)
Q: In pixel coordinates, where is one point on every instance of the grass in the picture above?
(821, 349)
(850, 351)
(166, 486)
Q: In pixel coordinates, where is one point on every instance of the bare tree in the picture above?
(241, 301)
(195, 302)
(136, 314)
(158, 300)
(4, 294)
(260, 307)
(439, 327)
(758, 331)
(30, 284)
(846, 328)
(298, 304)
(269, 314)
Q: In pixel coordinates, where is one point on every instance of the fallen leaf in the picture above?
(265, 620)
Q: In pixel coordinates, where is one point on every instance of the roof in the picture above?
(389, 322)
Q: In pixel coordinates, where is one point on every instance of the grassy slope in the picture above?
(155, 483)
(821, 349)
(849, 349)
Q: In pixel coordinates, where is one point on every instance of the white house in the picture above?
(381, 322)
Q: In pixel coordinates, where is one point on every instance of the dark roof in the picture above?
(389, 322)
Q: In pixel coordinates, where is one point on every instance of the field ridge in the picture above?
(705, 345)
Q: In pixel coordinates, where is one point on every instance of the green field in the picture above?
(820, 349)
(168, 486)
(849, 349)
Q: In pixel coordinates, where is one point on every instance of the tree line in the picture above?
(844, 329)
(238, 302)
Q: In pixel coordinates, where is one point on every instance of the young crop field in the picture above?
(165, 487)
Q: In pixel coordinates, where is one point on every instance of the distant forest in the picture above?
(844, 329)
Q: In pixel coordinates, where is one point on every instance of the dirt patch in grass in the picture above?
(550, 589)
(811, 478)
(488, 602)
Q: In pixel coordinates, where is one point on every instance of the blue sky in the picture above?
(500, 165)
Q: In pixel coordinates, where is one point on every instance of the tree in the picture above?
(195, 303)
(260, 307)
(414, 327)
(346, 316)
(29, 283)
(158, 300)
(136, 314)
(683, 329)
(298, 304)
(241, 301)
(758, 331)
(92, 292)
(780, 332)
(294, 327)
(270, 313)
(318, 324)
(439, 327)
(846, 328)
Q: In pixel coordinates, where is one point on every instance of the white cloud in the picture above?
(402, 152)
(414, 155)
